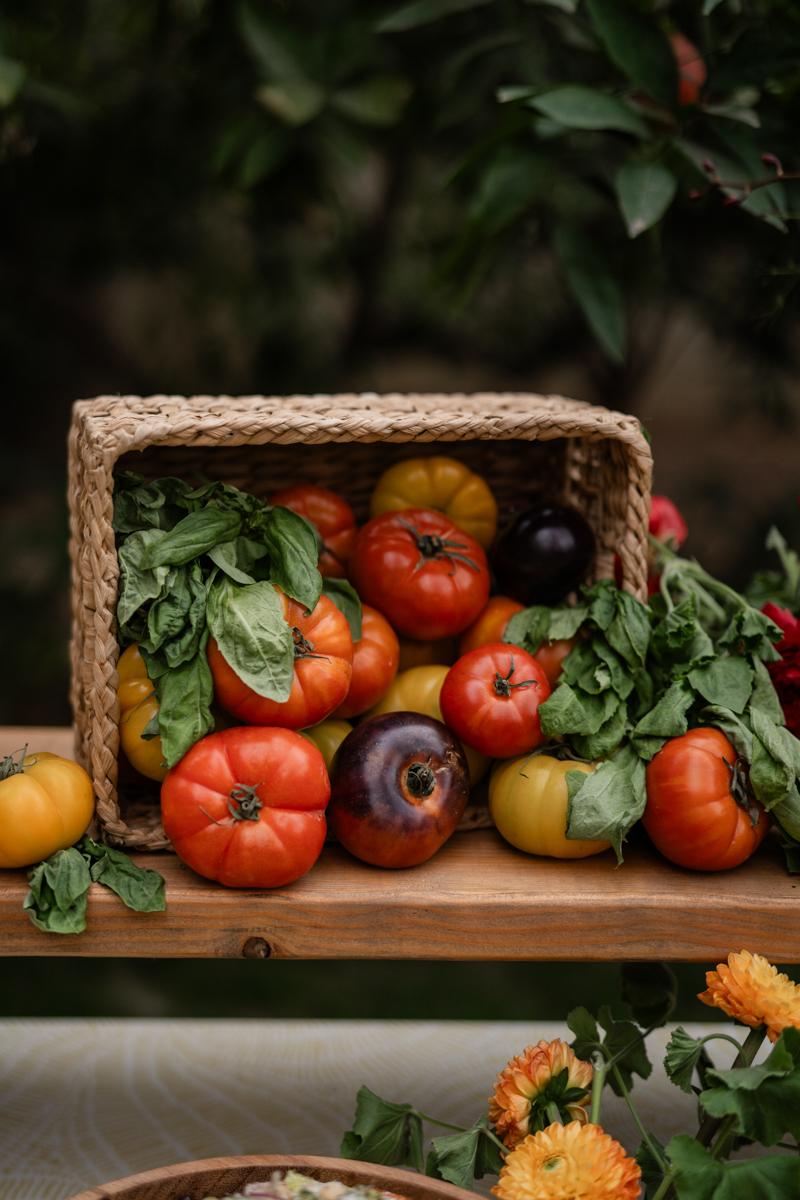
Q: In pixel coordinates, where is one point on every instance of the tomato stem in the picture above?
(248, 804)
(420, 779)
(303, 648)
(502, 685)
(430, 545)
(8, 767)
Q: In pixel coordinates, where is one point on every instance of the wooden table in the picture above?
(477, 899)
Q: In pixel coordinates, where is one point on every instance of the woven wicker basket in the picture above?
(527, 447)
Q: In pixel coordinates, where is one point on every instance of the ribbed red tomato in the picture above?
(247, 806)
(490, 699)
(376, 655)
(429, 578)
(333, 517)
(323, 656)
(699, 813)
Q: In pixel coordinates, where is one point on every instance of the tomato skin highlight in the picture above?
(491, 697)
(490, 625)
(319, 685)
(528, 800)
(333, 517)
(290, 780)
(691, 815)
(423, 596)
(376, 656)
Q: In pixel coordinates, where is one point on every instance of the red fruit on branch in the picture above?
(692, 73)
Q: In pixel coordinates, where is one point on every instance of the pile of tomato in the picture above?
(381, 739)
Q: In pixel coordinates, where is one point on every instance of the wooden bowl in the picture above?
(223, 1176)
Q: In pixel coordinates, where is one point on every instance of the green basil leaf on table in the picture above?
(727, 682)
(606, 803)
(253, 637)
(138, 887)
(293, 556)
(342, 593)
(59, 886)
(196, 534)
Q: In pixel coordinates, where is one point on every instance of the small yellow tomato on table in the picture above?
(528, 801)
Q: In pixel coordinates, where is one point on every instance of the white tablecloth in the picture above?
(86, 1101)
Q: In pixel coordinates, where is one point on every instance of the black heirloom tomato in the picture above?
(399, 788)
(544, 554)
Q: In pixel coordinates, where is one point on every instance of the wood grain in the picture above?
(477, 899)
(221, 1176)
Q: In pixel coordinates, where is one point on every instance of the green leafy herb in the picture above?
(253, 637)
(346, 599)
(699, 1176)
(461, 1157)
(605, 804)
(384, 1132)
(138, 887)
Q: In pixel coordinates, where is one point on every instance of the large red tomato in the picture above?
(490, 699)
(698, 812)
(323, 656)
(247, 806)
(429, 578)
(333, 517)
(375, 659)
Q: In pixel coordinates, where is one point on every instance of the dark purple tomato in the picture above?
(398, 790)
(544, 554)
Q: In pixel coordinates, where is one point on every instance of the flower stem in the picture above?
(664, 1187)
(722, 1145)
(709, 1125)
(444, 1125)
(553, 1113)
(710, 1037)
(598, 1082)
(645, 1135)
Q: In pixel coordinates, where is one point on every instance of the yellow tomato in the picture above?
(328, 737)
(417, 690)
(138, 704)
(440, 483)
(46, 805)
(528, 802)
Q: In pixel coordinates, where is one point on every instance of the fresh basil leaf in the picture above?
(638, 47)
(253, 637)
(651, 989)
(196, 534)
(727, 682)
(138, 584)
(168, 614)
(565, 622)
(571, 711)
(59, 887)
(139, 506)
(603, 607)
(765, 1099)
(584, 669)
(623, 680)
(185, 696)
(629, 632)
(151, 729)
(787, 813)
(764, 696)
(604, 805)
(293, 557)
(529, 628)
(383, 1132)
(462, 1157)
(346, 599)
(182, 648)
(608, 736)
(138, 887)
(668, 718)
(734, 728)
(224, 556)
(683, 1054)
(769, 778)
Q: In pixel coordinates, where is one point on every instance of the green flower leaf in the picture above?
(593, 286)
(645, 192)
(580, 107)
(765, 1099)
(462, 1157)
(383, 1132)
(683, 1054)
(638, 47)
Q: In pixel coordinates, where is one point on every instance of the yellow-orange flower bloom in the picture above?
(522, 1089)
(569, 1162)
(750, 989)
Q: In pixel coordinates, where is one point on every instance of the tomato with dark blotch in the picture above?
(399, 788)
(544, 555)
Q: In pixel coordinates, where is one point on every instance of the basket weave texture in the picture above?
(527, 447)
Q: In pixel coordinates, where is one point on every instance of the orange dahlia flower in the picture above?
(569, 1162)
(543, 1073)
(750, 989)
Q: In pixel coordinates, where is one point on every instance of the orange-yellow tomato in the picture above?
(138, 705)
(550, 657)
(45, 806)
(528, 799)
(490, 625)
(443, 484)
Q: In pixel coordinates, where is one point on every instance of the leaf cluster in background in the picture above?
(205, 562)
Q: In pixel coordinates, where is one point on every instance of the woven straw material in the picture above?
(528, 448)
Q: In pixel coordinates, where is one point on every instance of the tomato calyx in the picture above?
(8, 767)
(739, 785)
(303, 648)
(431, 546)
(420, 780)
(249, 805)
(503, 685)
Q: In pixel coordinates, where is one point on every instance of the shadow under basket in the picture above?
(528, 448)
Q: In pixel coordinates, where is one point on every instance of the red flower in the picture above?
(666, 522)
(785, 674)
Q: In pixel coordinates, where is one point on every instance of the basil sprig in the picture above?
(202, 562)
(641, 674)
(59, 886)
